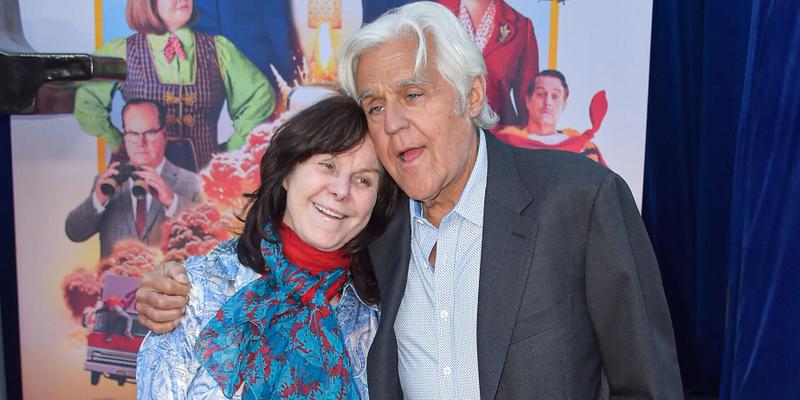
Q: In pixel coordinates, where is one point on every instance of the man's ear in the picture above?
(476, 96)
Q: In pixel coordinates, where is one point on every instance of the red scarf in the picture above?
(313, 259)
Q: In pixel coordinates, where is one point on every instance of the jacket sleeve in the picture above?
(83, 222)
(166, 365)
(626, 300)
(251, 99)
(188, 189)
(93, 100)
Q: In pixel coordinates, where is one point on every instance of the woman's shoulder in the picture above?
(221, 260)
(213, 275)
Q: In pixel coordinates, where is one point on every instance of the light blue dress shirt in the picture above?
(436, 324)
(166, 365)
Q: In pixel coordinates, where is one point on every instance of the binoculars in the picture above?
(110, 185)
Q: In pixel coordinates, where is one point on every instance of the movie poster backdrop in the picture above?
(87, 228)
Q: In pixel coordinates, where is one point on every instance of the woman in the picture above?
(303, 315)
(190, 72)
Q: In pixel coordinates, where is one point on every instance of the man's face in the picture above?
(145, 139)
(422, 142)
(547, 102)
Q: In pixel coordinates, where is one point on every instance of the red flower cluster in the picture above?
(229, 175)
(129, 258)
(194, 231)
(81, 289)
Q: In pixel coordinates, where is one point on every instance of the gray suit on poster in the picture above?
(117, 222)
(570, 304)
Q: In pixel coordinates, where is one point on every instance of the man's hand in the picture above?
(162, 297)
(111, 171)
(164, 193)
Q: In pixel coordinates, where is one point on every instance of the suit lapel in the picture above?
(506, 254)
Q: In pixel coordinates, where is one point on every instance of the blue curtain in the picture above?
(696, 81)
(762, 349)
(722, 190)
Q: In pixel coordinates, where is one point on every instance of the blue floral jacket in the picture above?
(166, 366)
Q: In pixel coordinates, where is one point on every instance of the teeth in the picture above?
(328, 212)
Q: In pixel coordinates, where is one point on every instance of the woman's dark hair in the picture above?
(331, 126)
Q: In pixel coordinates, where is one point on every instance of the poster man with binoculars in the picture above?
(129, 201)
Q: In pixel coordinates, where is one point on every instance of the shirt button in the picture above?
(446, 371)
(443, 314)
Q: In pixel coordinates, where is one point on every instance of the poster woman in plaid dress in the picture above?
(192, 74)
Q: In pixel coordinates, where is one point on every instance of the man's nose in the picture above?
(394, 119)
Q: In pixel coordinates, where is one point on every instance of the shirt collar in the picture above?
(160, 166)
(470, 203)
(349, 289)
(185, 35)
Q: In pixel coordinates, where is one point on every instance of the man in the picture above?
(545, 100)
(494, 283)
(123, 215)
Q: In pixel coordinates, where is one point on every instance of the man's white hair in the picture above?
(457, 59)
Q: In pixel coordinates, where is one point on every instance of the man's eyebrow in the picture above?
(364, 95)
(402, 85)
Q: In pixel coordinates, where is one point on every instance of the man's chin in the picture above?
(415, 192)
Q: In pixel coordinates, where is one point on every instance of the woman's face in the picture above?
(175, 13)
(329, 198)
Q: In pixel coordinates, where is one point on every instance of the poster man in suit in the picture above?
(128, 214)
(507, 273)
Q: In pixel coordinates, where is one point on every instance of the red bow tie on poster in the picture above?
(172, 48)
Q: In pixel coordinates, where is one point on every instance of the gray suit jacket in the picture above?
(117, 222)
(570, 304)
